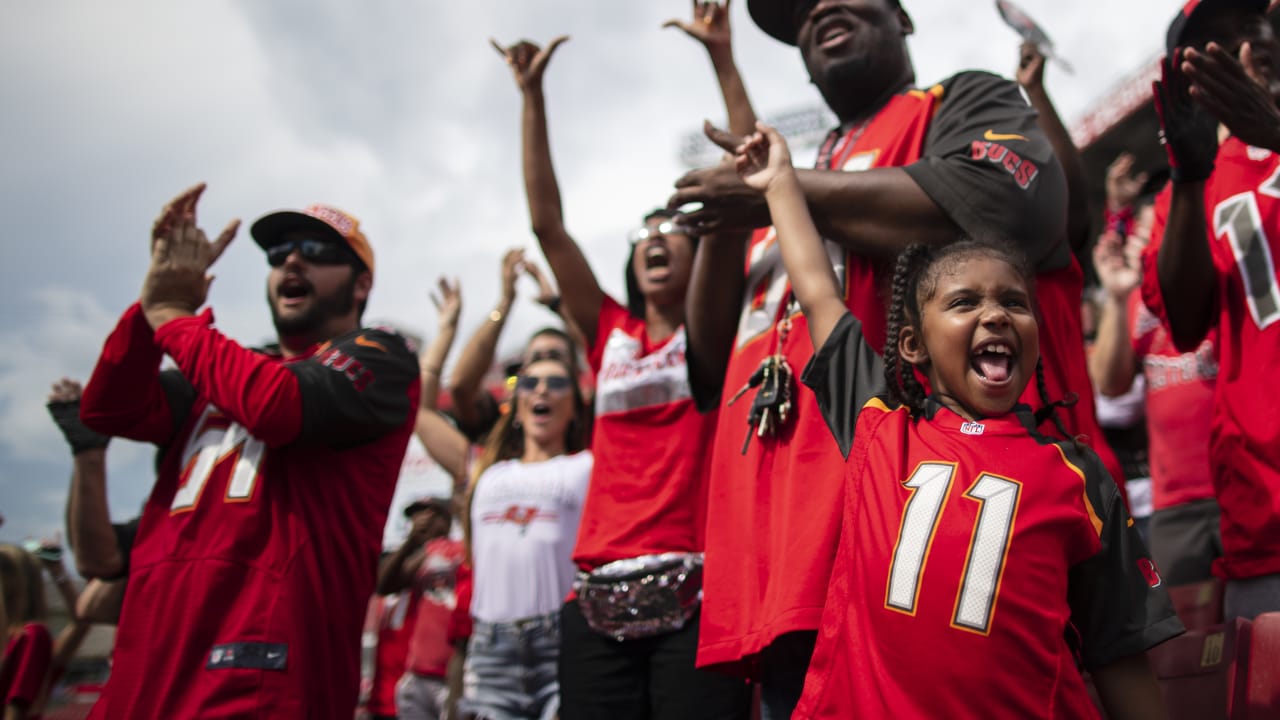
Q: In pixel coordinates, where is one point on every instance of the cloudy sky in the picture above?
(397, 111)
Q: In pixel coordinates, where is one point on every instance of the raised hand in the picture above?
(64, 408)
(512, 261)
(448, 301)
(547, 294)
(1030, 74)
(1117, 267)
(709, 25)
(1123, 185)
(715, 199)
(177, 282)
(527, 60)
(763, 158)
(1239, 91)
(1187, 131)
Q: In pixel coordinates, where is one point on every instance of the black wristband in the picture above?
(66, 415)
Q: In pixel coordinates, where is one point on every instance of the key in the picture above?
(753, 381)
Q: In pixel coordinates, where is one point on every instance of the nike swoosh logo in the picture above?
(997, 137)
(363, 341)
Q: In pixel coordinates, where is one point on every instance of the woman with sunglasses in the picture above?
(524, 505)
(630, 632)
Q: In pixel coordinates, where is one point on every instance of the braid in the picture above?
(1048, 411)
(901, 381)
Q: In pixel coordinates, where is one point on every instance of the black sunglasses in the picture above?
(554, 383)
(318, 252)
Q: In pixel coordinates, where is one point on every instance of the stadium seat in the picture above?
(1194, 671)
(1255, 690)
(1199, 605)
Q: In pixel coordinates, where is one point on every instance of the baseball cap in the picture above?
(776, 17)
(426, 502)
(323, 219)
(1195, 10)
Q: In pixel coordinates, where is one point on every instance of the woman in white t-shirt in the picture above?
(523, 511)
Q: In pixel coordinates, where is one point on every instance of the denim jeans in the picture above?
(510, 673)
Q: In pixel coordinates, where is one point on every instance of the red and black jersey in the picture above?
(257, 550)
(969, 550)
(1242, 210)
(972, 144)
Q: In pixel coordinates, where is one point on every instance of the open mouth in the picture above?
(293, 289)
(656, 256)
(540, 409)
(993, 361)
(831, 30)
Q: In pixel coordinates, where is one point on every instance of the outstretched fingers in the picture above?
(223, 240)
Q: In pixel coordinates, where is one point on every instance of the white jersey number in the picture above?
(215, 441)
(1239, 219)
(930, 485)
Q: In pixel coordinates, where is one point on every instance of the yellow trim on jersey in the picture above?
(877, 403)
(1084, 491)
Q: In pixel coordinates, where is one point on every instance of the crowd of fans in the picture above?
(856, 435)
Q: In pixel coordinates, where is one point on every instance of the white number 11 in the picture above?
(988, 546)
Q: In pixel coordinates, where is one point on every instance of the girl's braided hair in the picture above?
(914, 282)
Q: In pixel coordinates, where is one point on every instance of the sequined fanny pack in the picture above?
(641, 596)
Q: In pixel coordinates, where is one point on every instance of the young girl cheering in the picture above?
(979, 560)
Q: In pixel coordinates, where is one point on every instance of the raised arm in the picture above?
(471, 405)
(958, 185)
(1030, 76)
(580, 294)
(1112, 364)
(89, 530)
(764, 163)
(444, 443)
(710, 26)
(396, 570)
(1184, 264)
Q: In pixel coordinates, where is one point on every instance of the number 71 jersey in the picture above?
(978, 564)
(1242, 210)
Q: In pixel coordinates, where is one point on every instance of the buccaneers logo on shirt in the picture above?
(520, 515)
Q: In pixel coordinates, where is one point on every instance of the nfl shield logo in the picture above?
(972, 428)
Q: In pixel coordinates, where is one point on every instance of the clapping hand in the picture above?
(177, 282)
(763, 159)
(448, 301)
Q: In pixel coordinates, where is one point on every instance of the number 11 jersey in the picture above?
(979, 563)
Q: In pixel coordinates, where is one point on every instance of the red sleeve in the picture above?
(354, 389)
(124, 396)
(1151, 295)
(31, 655)
(253, 389)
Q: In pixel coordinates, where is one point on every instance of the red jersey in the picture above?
(435, 584)
(395, 615)
(972, 144)
(256, 554)
(25, 666)
(1242, 208)
(967, 546)
(648, 485)
(1179, 403)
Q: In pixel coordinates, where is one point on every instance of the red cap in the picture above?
(324, 219)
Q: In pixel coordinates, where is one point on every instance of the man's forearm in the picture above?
(876, 213)
(92, 539)
(1185, 268)
(742, 116)
(1078, 216)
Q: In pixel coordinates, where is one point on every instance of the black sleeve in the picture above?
(991, 169)
(357, 389)
(844, 374)
(1119, 606)
(125, 534)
